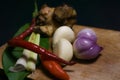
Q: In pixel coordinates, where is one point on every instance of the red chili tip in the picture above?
(72, 63)
(101, 48)
(69, 63)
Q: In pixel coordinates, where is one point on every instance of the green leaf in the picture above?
(44, 42)
(10, 56)
(23, 28)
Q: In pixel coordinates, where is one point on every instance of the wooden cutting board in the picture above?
(105, 67)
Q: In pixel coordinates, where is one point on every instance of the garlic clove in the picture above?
(64, 49)
(63, 32)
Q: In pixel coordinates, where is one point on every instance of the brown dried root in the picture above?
(49, 18)
(65, 15)
(45, 30)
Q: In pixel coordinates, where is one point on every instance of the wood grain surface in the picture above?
(105, 67)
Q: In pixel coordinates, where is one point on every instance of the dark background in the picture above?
(97, 13)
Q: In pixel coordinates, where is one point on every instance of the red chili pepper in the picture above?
(54, 68)
(51, 64)
(28, 31)
(37, 49)
(18, 41)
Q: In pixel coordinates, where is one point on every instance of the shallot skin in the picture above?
(87, 33)
(85, 45)
(90, 53)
